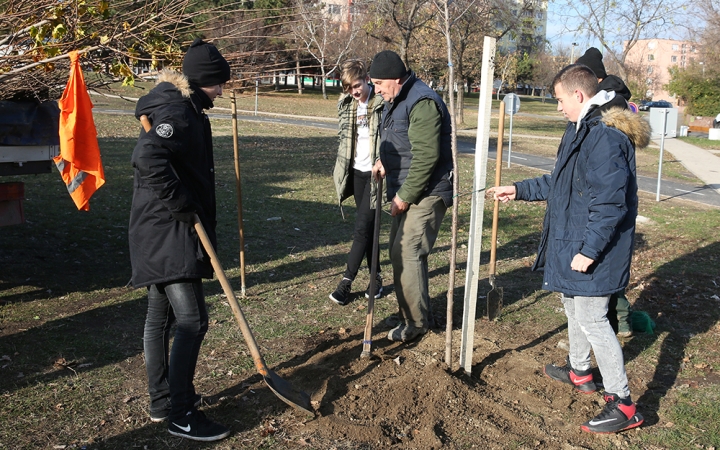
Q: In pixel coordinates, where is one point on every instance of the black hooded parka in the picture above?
(174, 179)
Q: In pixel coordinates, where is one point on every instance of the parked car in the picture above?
(655, 104)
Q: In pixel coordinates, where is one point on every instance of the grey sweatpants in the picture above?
(589, 328)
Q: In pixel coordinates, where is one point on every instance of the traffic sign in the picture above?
(512, 104)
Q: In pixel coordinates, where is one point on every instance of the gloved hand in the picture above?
(187, 217)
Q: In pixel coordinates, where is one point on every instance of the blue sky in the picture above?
(558, 38)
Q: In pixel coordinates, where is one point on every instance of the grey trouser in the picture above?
(589, 328)
(412, 237)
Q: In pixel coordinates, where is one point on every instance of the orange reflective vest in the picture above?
(79, 161)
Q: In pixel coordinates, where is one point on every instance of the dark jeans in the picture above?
(364, 226)
(170, 371)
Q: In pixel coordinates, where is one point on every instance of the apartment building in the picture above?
(650, 59)
(532, 31)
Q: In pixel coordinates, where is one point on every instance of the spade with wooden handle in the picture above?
(283, 389)
(367, 336)
(495, 296)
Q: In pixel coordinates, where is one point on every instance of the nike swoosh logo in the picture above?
(592, 422)
(185, 428)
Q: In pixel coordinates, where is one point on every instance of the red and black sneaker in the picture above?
(582, 380)
(619, 414)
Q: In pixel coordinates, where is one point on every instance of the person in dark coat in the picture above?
(588, 231)
(174, 180)
(619, 310)
(611, 83)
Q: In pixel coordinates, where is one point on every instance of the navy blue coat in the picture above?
(592, 203)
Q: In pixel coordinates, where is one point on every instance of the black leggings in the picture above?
(364, 225)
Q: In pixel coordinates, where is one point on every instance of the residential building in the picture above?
(651, 59)
(531, 33)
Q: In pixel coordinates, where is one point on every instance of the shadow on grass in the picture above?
(60, 250)
(677, 297)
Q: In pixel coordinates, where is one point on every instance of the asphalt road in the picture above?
(668, 189)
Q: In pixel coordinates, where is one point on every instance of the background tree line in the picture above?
(124, 39)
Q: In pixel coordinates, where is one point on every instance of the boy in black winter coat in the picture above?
(173, 181)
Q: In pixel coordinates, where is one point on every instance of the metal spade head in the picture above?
(494, 300)
(288, 393)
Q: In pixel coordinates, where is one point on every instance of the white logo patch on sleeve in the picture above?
(164, 130)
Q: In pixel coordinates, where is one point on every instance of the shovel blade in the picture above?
(494, 302)
(288, 393)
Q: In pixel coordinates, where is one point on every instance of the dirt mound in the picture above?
(404, 396)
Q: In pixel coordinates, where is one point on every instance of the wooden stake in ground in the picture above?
(238, 188)
(478, 205)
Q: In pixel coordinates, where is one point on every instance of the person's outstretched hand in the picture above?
(503, 193)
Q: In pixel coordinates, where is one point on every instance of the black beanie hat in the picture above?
(387, 65)
(593, 59)
(204, 65)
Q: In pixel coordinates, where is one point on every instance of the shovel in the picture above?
(283, 389)
(367, 338)
(495, 296)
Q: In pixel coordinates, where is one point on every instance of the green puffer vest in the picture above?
(347, 139)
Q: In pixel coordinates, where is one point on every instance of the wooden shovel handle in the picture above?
(496, 207)
(229, 293)
(367, 336)
(145, 122)
(239, 316)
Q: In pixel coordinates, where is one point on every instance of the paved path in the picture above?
(702, 163)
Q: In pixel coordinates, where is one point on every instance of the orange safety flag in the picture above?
(79, 160)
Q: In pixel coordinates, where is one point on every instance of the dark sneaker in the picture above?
(619, 414)
(162, 414)
(393, 320)
(582, 380)
(405, 333)
(341, 296)
(378, 287)
(196, 426)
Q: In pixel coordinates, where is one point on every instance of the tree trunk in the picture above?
(298, 77)
(455, 209)
(460, 105)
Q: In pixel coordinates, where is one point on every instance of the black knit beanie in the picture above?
(387, 65)
(204, 65)
(593, 59)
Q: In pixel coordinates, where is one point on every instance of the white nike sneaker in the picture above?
(196, 426)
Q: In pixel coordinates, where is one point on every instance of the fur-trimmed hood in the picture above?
(636, 128)
(172, 87)
(176, 78)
